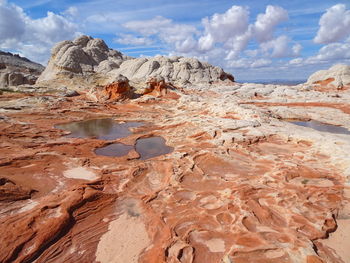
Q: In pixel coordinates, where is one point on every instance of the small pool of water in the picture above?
(152, 147)
(319, 126)
(115, 150)
(103, 129)
(146, 147)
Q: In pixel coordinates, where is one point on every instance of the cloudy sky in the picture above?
(254, 39)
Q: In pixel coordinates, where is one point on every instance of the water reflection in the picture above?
(115, 149)
(104, 129)
(319, 126)
(152, 147)
(147, 148)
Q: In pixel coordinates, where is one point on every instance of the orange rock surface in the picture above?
(117, 90)
(255, 199)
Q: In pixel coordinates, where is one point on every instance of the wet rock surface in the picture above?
(241, 184)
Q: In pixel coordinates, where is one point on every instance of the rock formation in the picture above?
(335, 78)
(116, 91)
(16, 70)
(241, 183)
(88, 57)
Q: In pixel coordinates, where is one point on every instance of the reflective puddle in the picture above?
(103, 129)
(146, 147)
(152, 147)
(319, 126)
(115, 150)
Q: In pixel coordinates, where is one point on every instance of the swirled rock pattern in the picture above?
(91, 61)
(335, 78)
(242, 184)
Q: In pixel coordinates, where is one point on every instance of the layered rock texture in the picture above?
(92, 62)
(16, 70)
(240, 183)
(335, 78)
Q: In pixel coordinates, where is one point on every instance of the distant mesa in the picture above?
(16, 70)
(92, 61)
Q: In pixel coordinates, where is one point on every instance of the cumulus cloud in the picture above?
(331, 52)
(266, 23)
(224, 35)
(71, 11)
(129, 39)
(244, 63)
(12, 22)
(334, 25)
(224, 28)
(296, 61)
(280, 47)
(179, 36)
(32, 38)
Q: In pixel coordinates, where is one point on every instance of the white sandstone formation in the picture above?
(338, 76)
(89, 58)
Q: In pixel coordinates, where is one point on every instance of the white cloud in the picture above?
(71, 11)
(129, 39)
(331, 52)
(12, 22)
(261, 63)
(296, 61)
(228, 27)
(297, 49)
(280, 47)
(244, 63)
(266, 23)
(32, 38)
(334, 25)
(181, 37)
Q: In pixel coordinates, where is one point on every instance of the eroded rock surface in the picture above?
(335, 78)
(242, 184)
(120, 89)
(91, 62)
(16, 70)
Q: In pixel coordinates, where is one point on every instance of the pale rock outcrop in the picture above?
(85, 55)
(16, 70)
(173, 69)
(91, 61)
(337, 77)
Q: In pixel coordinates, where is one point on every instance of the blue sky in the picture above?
(251, 39)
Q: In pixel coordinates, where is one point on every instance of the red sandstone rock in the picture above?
(208, 201)
(159, 88)
(118, 90)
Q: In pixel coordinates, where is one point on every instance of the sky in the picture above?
(253, 40)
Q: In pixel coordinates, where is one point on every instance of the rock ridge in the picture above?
(91, 57)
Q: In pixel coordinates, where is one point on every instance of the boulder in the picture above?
(156, 86)
(335, 78)
(116, 91)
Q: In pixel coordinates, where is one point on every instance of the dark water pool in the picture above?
(152, 147)
(319, 126)
(146, 147)
(115, 150)
(103, 129)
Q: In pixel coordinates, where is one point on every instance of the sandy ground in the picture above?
(80, 173)
(125, 240)
(340, 240)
